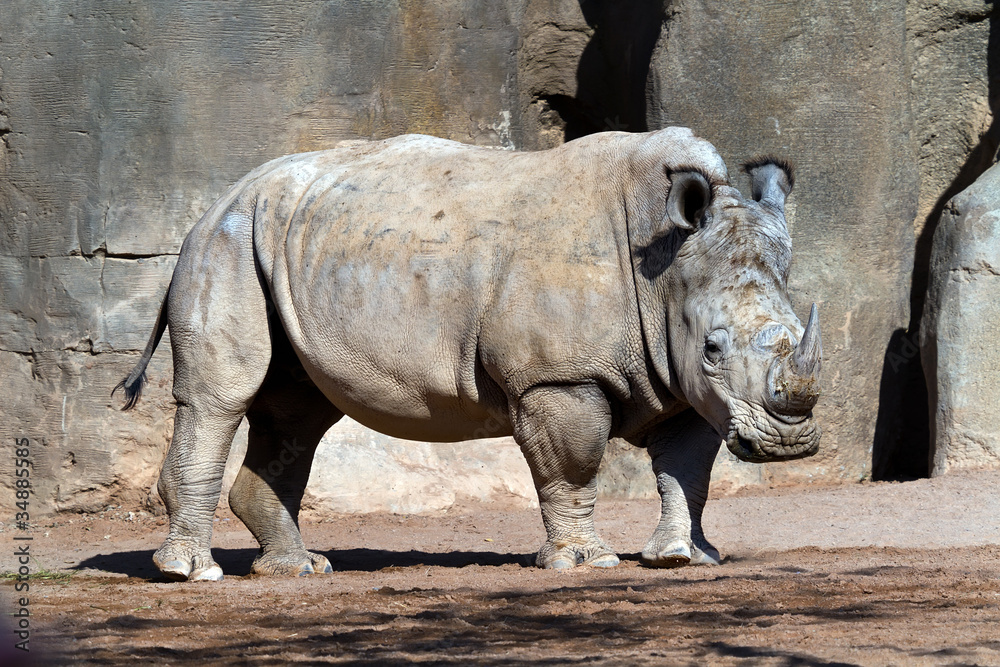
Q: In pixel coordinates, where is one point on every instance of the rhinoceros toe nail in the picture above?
(675, 554)
(211, 573)
(608, 560)
(327, 569)
(560, 564)
(702, 558)
(668, 560)
(177, 570)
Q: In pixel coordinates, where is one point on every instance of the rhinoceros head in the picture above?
(729, 343)
(742, 357)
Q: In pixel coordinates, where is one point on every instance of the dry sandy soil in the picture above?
(872, 574)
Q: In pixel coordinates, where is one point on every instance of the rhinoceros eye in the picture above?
(716, 346)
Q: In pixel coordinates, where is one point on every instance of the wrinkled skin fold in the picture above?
(616, 286)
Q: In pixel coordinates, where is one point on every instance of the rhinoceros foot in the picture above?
(678, 553)
(563, 556)
(673, 554)
(296, 563)
(179, 562)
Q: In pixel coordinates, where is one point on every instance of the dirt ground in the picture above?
(871, 574)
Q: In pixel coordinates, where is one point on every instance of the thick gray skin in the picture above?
(425, 288)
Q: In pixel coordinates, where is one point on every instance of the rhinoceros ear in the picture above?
(690, 194)
(771, 179)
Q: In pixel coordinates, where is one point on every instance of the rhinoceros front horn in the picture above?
(793, 381)
(809, 354)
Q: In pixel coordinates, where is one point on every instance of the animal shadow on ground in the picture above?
(237, 562)
(466, 626)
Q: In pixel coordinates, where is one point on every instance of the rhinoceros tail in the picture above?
(133, 383)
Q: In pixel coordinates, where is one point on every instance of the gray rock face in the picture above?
(952, 51)
(958, 334)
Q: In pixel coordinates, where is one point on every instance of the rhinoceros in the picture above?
(617, 286)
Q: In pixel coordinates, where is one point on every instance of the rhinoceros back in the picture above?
(423, 281)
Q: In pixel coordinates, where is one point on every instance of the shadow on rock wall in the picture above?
(902, 435)
(613, 70)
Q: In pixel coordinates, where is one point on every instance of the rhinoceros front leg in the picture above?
(563, 432)
(683, 450)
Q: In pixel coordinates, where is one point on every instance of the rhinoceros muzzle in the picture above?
(759, 446)
(784, 428)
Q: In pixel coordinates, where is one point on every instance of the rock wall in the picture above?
(119, 125)
(954, 55)
(958, 338)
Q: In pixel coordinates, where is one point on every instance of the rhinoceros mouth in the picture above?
(788, 420)
(767, 438)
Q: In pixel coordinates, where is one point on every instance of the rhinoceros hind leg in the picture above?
(563, 431)
(191, 492)
(287, 420)
(217, 316)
